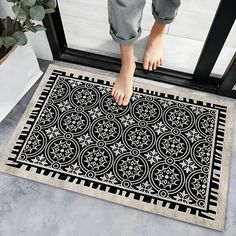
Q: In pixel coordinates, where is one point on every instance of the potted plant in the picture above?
(19, 68)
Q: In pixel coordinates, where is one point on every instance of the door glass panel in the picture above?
(226, 53)
(86, 28)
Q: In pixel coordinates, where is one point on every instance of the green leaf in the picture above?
(8, 24)
(29, 23)
(26, 9)
(37, 13)
(29, 3)
(33, 29)
(18, 26)
(30, 26)
(51, 4)
(9, 41)
(20, 38)
(49, 10)
(40, 28)
(19, 12)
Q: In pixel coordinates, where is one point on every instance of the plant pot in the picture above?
(19, 70)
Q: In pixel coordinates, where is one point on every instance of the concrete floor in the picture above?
(29, 208)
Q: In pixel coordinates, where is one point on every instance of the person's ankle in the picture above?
(128, 64)
(127, 60)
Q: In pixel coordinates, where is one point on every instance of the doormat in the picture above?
(166, 152)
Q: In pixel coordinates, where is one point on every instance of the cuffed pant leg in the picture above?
(124, 17)
(165, 11)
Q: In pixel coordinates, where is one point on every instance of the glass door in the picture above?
(192, 42)
(86, 28)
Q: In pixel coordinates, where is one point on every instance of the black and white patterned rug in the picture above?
(163, 153)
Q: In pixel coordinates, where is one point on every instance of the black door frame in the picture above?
(201, 79)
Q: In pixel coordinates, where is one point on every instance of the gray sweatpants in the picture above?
(124, 17)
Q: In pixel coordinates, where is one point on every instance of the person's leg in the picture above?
(164, 12)
(125, 18)
(123, 86)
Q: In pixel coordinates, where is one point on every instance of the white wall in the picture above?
(38, 40)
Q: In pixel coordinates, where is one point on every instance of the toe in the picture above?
(145, 63)
(113, 91)
(116, 95)
(126, 100)
(120, 99)
(150, 65)
(155, 65)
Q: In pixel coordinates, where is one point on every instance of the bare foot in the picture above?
(153, 56)
(123, 87)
